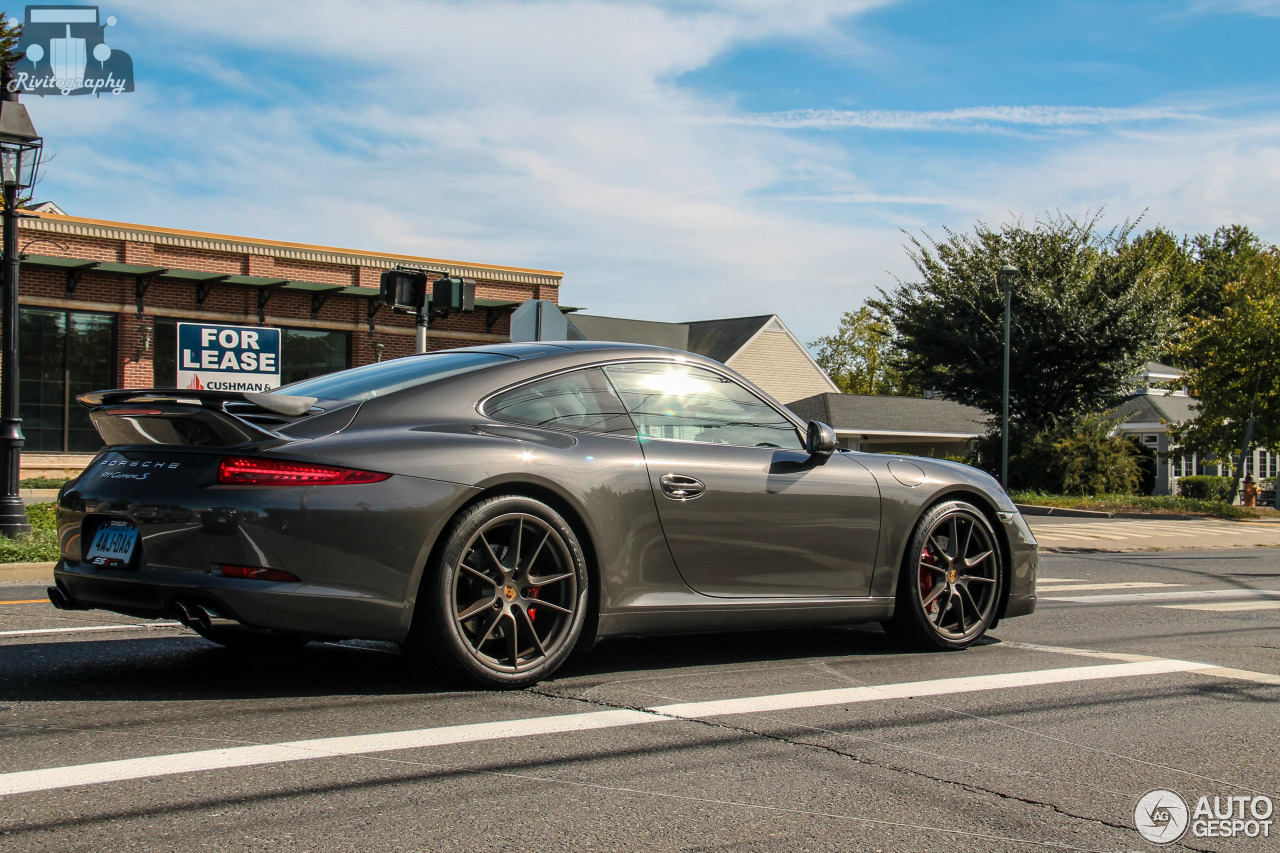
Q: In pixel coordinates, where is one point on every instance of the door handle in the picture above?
(678, 487)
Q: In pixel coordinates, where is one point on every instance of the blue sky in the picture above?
(677, 161)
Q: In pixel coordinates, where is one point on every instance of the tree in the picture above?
(10, 35)
(1232, 253)
(1088, 309)
(859, 357)
(1231, 356)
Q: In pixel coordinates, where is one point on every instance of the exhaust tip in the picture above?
(58, 599)
(211, 619)
(184, 614)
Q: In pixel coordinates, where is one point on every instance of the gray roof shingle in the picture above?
(853, 412)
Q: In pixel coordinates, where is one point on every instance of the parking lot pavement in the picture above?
(1136, 534)
(1131, 676)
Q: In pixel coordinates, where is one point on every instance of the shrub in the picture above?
(38, 546)
(1205, 488)
(1081, 459)
(42, 482)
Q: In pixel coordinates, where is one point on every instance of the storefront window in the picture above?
(303, 353)
(62, 354)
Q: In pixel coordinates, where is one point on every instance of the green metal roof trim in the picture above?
(313, 287)
(194, 276)
(254, 281)
(129, 269)
(58, 263)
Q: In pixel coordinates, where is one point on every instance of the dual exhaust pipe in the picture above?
(193, 616)
(200, 616)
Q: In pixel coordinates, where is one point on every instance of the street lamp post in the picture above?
(1006, 276)
(20, 148)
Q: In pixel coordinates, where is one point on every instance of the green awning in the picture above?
(255, 281)
(129, 269)
(312, 287)
(58, 263)
(194, 276)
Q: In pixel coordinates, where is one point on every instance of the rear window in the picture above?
(378, 380)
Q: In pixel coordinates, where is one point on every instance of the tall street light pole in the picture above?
(20, 148)
(1006, 276)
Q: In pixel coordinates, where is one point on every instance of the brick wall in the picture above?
(69, 237)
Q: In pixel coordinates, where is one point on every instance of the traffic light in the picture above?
(452, 293)
(404, 290)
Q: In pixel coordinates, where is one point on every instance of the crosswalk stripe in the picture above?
(1080, 587)
(1226, 606)
(1158, 597)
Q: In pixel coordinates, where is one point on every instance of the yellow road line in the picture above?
(28, 601)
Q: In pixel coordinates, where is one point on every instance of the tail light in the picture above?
(248, 471)
(257, 573)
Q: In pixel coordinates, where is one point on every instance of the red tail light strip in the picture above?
(248, 471)
(257, 573)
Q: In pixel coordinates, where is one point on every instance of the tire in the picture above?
(951, 580)
(504, 602)
(262, 642)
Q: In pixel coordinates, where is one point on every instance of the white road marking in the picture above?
(246, 756)
(31, 632)
(1157, 597)
(1080, 587)
(1226, 606)
(1058, 580)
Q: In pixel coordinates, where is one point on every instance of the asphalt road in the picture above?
(1139, 671)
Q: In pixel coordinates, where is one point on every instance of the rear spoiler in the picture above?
(176, 417)
(282, 404)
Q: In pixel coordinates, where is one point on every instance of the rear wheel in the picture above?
(950, 585)
(505, 601)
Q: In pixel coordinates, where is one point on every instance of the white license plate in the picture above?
(113, 544)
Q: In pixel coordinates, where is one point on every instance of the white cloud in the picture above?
(555, 135)
(968, 118)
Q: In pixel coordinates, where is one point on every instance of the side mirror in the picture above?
(821, 440)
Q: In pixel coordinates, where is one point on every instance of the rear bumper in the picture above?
(358, 550)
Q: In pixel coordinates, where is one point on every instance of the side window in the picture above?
(581, 400)
(692, 404)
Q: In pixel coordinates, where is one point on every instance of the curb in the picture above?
(26, 572)
(1031, 509)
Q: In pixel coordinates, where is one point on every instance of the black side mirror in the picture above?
(821, 440)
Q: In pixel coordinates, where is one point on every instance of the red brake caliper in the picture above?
(926, 576)
(534, 592)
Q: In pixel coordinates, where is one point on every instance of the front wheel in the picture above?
(505, 601)
(951, 581)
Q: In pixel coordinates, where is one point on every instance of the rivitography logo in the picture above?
(67, 54)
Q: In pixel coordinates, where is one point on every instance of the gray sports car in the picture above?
(495, 508)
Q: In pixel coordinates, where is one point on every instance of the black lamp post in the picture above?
(20, 148)
(1006, 276)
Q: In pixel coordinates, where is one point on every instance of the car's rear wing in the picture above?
(171, 416)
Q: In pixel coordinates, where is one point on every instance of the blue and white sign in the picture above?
(228, 358)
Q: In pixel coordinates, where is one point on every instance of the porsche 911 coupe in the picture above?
(494, 508)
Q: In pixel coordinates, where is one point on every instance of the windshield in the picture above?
(378, 380)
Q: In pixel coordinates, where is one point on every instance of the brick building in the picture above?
(100, 302)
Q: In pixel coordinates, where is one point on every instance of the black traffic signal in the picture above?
(453, 294)
(404, 290)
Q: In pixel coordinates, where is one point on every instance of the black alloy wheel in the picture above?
(951, 581)
(509, 595)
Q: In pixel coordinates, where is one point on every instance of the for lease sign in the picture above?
(228, 358)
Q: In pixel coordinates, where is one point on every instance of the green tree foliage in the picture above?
(1086, 457)
(859, 357)
(1232, 253)
(1229, 356)
(1088, 309)
(10, 34)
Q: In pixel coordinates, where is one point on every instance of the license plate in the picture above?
(113, 544)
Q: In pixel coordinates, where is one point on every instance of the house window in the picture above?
(304, 353)
(62, 354)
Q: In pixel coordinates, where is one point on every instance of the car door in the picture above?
(746, 510)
